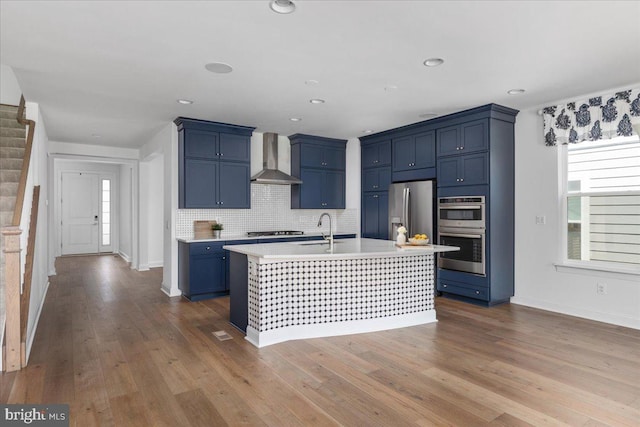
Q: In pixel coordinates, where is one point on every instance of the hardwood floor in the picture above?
(120, 352)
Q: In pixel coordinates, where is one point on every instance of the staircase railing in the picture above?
(17, 302)
(24, 173)
(25, 300)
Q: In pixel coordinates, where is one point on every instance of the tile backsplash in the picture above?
(270, 210)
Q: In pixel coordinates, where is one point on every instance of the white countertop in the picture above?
(229, 237)
(343, 248)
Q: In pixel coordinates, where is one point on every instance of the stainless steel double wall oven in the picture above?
(462, 223)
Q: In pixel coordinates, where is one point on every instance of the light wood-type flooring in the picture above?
(120, 352)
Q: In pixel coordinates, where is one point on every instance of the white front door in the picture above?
(80, 213)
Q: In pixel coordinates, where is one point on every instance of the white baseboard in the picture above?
(143, 267)
(177, 292)
(33, 330)
(124, 256)
(156, 264)
(628, 322)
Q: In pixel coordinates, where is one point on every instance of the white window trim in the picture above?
(565, 265)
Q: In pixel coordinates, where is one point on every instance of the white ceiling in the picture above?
(117, 68)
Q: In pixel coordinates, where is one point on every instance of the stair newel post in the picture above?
(12, 298)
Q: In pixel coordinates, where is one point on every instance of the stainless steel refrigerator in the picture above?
(411, 204)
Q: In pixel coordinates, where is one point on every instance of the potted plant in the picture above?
(217, 228)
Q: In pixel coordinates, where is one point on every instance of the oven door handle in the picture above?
(447, 207)
(469, 236)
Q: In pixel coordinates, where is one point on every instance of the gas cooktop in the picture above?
(274, 233)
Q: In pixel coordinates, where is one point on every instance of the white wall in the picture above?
(151, 212)
(537, 249)
(10, 91)
(125, 247)
(37, 176)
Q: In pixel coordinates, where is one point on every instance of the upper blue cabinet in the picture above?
(414, 156)
(320, 163)
(214, 165)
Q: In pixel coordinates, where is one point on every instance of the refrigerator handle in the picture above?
(408, 210)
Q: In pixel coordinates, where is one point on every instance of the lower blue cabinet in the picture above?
(202, 270)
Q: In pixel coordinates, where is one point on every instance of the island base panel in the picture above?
(341, 328)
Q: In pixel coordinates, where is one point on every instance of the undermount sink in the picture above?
(315, 242)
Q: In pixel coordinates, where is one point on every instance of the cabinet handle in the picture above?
(461, 179)
(224, 257)
(444, 286)
(208, 247)
(477, 292)
(457, 148)
(221, 154)
(462, 148)
(375, 186)
(222, 203)
(375, 196)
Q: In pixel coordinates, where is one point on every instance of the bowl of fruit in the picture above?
(419, 239)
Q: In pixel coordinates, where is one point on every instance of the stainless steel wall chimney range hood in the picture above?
(270, 173)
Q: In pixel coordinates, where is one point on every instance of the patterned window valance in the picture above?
(602, 117)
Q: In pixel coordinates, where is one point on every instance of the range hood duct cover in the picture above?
(270, 173)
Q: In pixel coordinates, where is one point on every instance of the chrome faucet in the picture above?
(330, 238)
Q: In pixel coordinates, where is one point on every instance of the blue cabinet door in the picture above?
(403, 154)
(475, 169)
(311, 188)
(448, 174)
(425, 150)
(234, 188)
(200, 184)
(311, 156)
(474, 136)
(375, 211)
(333, 190)
(334, 158)
(234, 147)
(200, 144)
(448, 140)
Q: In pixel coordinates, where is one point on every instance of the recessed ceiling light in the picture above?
(316, 101)
(433, 62)
(390, 88)
(312, 83)
(282, 6)
(185, 101)
(219, 67)
(295, 119)
(515, 91)
(367, 131)
(95, 135)
(427, 115)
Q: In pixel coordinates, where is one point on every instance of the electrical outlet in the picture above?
(541, 219)
(601, 288)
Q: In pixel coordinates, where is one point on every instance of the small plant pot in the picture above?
(216, 233)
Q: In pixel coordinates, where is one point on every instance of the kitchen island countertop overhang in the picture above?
(285, 291)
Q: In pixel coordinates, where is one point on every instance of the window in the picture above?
(106, 212)
(602, 202)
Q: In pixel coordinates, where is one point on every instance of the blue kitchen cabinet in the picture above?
(376, 155)
(470, 169)
(375, 212)
(320, 163)
(375, 178)
(474, 155)
(214, 165)
(414, 156)
(202, 270)
(463, 138)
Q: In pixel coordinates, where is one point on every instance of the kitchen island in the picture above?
(285, 291)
